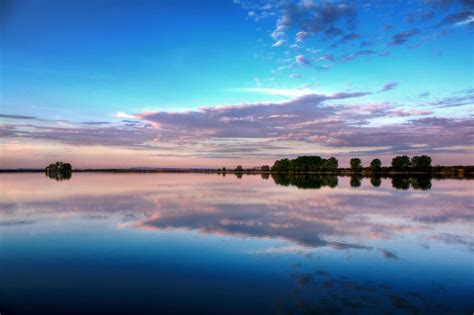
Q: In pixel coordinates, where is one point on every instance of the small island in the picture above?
(59, 171)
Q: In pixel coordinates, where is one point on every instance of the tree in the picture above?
(356, 164)
(59, 167)
(265, 168)
(59, 170)
(332, 164)
(401, 163)
(422, 163)
(375, 165)
(67, 168)
(306, 163)
(239, 169)
(281, 166)
(223, 169)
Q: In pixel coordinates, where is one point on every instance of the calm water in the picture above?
(197, 243)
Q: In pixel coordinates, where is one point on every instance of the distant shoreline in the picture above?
(467, 171)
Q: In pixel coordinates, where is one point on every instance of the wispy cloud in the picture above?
(278, 43)
(16, 116)
(457, 19)
(308, 121)
(302, 60)
(335, 25)
(307, 118)
(403, 37)
(389, 86)
(462, 98)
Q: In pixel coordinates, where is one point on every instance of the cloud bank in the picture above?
(337, 123)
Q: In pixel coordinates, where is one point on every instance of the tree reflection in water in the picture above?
(376, 181)
(59, 176)
(317, 181)
(356, 180)
(305, 181)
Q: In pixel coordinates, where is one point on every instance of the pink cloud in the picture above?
(303, 124)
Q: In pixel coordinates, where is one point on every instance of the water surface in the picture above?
(199, 243)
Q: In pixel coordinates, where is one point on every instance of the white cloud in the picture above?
(302, 35)
(124, 115)
(278, 43)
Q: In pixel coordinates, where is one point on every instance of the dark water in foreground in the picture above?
(207, 244)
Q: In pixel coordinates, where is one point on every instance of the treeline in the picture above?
(305, 164)
(309, 164)
(403, 163)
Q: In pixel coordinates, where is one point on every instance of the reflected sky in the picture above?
(202, 238)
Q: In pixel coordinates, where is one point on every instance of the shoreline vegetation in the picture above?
(300, 166)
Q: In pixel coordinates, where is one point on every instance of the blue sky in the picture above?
(174, 80)
(126, 56)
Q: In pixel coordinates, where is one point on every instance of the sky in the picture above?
(220, 83)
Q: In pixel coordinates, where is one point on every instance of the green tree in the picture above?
(375, 165)
(59, 171)
(239, 169)
(67, 168)
(422, 163)
(401, 163)
(281, 166)
(305, 163)
(265, 168)
(332, 164)
(356, 164)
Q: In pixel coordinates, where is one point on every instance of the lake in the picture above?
(213, 244)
